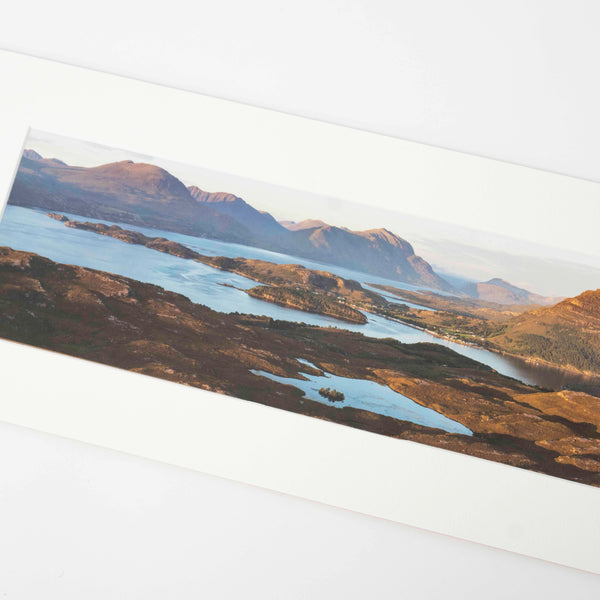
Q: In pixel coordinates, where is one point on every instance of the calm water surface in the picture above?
(31, 230)
(369, 395)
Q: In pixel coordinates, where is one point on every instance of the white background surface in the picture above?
(507, 80)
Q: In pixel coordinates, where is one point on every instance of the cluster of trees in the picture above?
(562, 346)
(308, 301)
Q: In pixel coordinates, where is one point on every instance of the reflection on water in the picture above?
(32, 230)
(371, 396)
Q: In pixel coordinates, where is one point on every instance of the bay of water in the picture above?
(371, 396)
(31, 230)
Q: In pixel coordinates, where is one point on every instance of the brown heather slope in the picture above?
(145, 329)
(567, 334)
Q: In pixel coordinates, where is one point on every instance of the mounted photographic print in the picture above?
(378, 325)
(237, 289)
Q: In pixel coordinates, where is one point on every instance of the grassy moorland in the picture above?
(145, 329)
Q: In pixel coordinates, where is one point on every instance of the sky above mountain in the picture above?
(452, 250)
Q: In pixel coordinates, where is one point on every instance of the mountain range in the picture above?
(376, 251)
(135, 193)
(147, 195)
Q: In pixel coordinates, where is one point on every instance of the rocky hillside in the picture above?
(566, 334)
(125, 191)
(376, 251)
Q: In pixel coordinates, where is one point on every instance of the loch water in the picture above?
(371, 396)
(31, 230)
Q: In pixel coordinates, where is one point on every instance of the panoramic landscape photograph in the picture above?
(362, 316)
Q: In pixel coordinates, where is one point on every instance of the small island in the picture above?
(331, 395)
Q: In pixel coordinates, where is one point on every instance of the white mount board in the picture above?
(406, 482)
